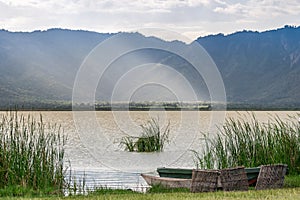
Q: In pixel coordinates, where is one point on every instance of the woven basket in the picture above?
(234, 179)
(204, 180)
(271, 176)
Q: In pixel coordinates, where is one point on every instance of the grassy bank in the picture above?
(291, 191)
(288, 194)
(270, 194)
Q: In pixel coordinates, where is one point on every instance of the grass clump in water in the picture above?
(252, 144)
(31, 155)
(152, 139)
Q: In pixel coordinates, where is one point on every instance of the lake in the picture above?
(93, 147)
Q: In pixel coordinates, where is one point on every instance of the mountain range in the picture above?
(259, 69)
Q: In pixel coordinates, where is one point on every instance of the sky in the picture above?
(190, 18)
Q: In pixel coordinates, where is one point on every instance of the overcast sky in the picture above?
(191, 18)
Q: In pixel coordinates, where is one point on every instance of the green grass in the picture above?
(292, 181)
(288, 194)
(152, 139)
(291, 191)
(31, 156)
(251, 144)
(109, 191)
(161, 189)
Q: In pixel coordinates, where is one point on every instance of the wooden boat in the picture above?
(175, 172)
(167, 181)
(252, 174)
(182, 173)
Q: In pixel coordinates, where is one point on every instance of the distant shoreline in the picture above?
(69, 108)
(145, 106)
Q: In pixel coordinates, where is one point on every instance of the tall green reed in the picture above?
(152, 139)
(250, 143)
(31, 153)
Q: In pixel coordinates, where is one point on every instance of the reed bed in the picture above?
(152, 139)
(31, 154)
(250, 143)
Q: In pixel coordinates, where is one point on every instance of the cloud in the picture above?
(189, 17)
(236, 9)
(259, 8)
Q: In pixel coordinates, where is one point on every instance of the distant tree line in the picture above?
(148, 105)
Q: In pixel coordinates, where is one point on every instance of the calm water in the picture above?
(93, 141)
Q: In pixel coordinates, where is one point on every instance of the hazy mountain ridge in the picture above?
(41, 65)
(257, 68)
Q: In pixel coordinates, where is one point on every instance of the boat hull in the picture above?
(167, 182)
